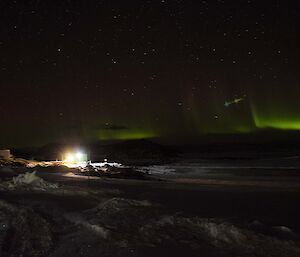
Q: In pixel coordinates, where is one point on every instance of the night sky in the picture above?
(103, 70)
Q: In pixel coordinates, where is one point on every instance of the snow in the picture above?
(95, 228)
(103, 164)
(94, 164)
(28, 180)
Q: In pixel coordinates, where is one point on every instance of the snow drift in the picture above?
(29, 181)
(123, 224)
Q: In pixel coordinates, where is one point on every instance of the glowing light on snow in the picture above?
(75, 157)
(69, 157)
(79, 155)
(78, 159)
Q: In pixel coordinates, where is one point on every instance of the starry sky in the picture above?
(116, 70)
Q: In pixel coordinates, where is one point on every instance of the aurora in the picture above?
(278, 121)
(151, 71)
(126, 134)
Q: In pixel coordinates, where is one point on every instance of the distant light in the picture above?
(70, 157)
(75, 157)
(79, 155)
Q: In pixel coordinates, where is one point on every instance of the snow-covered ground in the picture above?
(127, 227)
(46, 213)
(197, 168)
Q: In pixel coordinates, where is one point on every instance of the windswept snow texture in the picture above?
(102, 217)
(124, 227)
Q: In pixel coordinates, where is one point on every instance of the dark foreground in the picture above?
(113, 217)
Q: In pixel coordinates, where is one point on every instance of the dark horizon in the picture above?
(267, 138)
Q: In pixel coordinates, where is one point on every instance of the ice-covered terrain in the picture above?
(197, 168)
(49, 212)
(127, 227)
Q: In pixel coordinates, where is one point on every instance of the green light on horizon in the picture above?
(278, 124)
(125, 134)
(275, 120)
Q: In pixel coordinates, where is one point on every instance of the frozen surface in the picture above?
(218, 168)
(101, 217)
(127, 227)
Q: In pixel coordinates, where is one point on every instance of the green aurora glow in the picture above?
(124, 134)
(276, 120)
(251, 115)
(277, 112)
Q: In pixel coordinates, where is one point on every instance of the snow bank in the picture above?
(223, 236)
(114, 214)
(118, 225)
(28, 180)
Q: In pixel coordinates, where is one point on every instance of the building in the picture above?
(5, 154)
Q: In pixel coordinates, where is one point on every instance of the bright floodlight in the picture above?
(70, 157)
(79, 155)
(75, 157)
